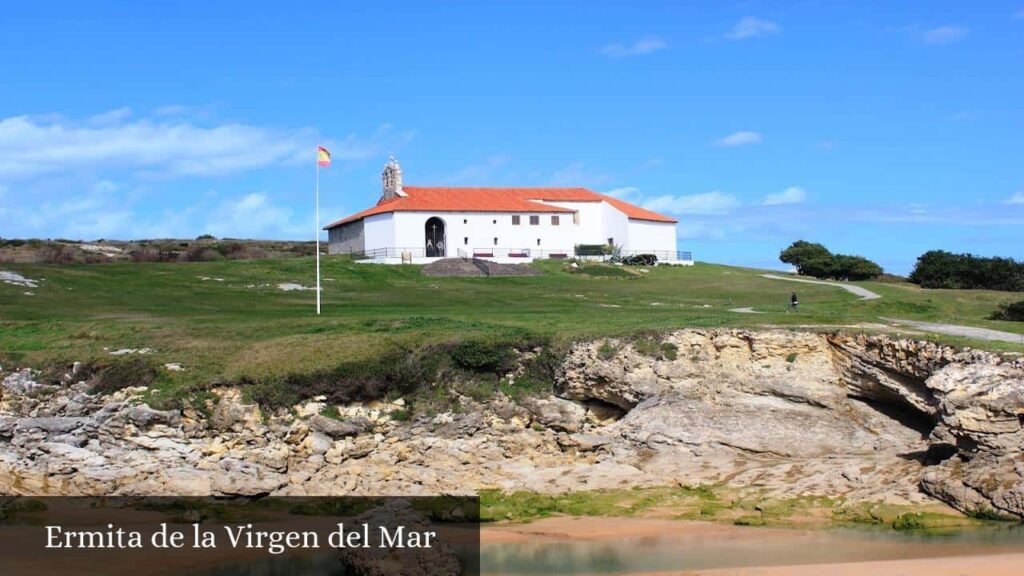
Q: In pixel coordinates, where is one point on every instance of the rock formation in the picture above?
(786, 414)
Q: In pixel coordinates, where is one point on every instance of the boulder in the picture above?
(334, 428)
(556, 413)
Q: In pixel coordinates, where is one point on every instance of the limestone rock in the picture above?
(556, 413)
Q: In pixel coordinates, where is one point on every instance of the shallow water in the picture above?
(761, 547)
(747, 547)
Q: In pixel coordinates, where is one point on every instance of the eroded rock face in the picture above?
(782, 413)
(807, 396)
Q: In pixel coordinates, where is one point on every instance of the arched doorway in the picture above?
(435, 240)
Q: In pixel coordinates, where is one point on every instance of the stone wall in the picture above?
(347, 238)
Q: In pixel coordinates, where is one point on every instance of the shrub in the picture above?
(606, 351)
(1012, 311)
(656, 349)
(593, 249)
(363, 380)
(122, 374)
(480, 356)
(941, 269)
(802, 252)
(812, 259)
(200, 253)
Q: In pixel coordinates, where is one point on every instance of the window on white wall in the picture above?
(538, 241)
(495, 241)
(534, 220)
(515, 220)
(554, 220)
(465, 221)
(465, 241)
(576, 218)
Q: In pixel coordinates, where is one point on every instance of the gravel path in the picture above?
(955, 330)
(939, 328)
(864, 293)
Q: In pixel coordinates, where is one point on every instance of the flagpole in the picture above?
(316, 230)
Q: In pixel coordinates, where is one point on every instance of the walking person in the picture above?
(793, 302)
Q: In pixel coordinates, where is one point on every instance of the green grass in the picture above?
(243, 326)
(717, 503)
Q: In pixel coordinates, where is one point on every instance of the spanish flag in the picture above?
(323, 156)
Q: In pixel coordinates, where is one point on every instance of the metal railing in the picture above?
(513, 253)
(378, 253)
(667, 255)
(498, 252)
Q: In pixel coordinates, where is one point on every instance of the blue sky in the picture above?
(883, 129)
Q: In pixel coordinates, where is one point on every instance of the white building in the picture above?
(505, 224)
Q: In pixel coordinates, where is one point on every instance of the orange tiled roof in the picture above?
(524, 200)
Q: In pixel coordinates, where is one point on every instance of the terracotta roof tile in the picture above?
(522, 200)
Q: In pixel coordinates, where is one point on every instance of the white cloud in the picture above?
(578, 174)
(111, 117)
(943, 35)
(647, 45)
(624, 192)
(31, 146)
(1019, 14)
(253, 216)
(171, 110)
(715, 202)
(479, 172)
(750, 27)
(739, 139)
(1017, 198)
(791, 195)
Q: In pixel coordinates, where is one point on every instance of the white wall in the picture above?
(379, 231)
(591, 216)
(481, 228)
(615, 225)
(599, 221)
(646, 235)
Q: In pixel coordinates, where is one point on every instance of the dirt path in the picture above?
(864, 293)
(939, 328)
(955, 330)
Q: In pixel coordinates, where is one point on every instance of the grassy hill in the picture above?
(230, 319)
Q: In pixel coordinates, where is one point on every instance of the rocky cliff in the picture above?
(864, 418)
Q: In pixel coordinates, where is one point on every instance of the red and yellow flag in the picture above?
(323, 156)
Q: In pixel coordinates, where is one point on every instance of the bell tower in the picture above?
(392, 180)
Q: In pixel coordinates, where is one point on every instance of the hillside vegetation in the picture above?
(253, 320)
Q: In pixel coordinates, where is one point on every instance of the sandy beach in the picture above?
(725, 550)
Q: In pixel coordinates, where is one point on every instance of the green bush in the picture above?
(1012, 311)
(941, 269)
(364, 380)
(482, 356)
(122, 374)
(812, 259)
(593, 249)
(606, 351)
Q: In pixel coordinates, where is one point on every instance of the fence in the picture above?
(514, 253)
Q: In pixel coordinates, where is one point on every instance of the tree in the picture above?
(801, 253)
(813, 259)
(941, 269)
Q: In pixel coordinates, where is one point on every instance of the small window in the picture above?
(465, 241)
(538, 241)
(515, 220)
(494, 221)
(534, 220)
(611, 241)
(576, 218)
(465, 221)
(495, 241)
(554, 220)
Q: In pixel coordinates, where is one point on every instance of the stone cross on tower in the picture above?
(392, 179)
